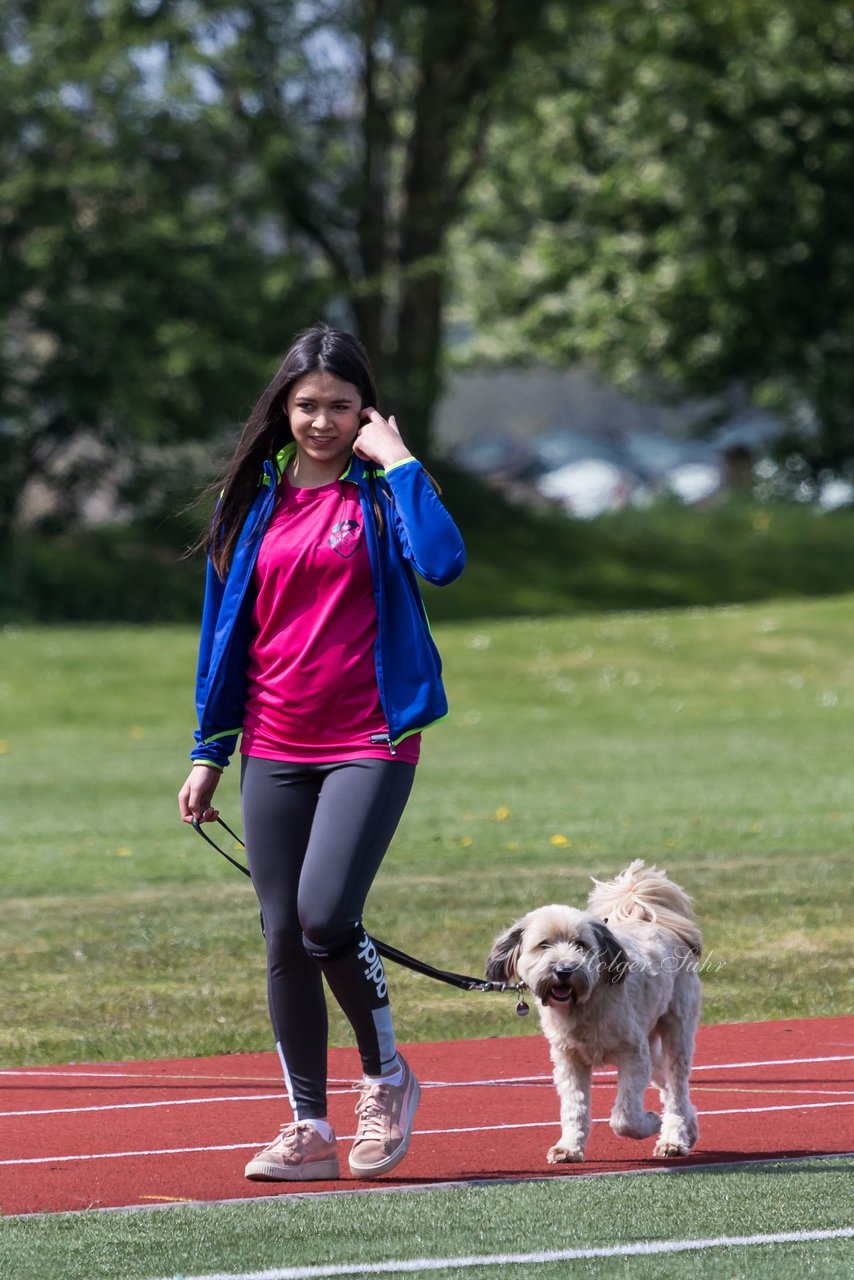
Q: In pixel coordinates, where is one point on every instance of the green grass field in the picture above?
(358, 1232)
(714, 742)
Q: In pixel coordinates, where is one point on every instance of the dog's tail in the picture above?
(642, 893)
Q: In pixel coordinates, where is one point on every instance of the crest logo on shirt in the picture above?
(345, 537)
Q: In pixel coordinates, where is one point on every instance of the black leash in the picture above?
(460, 980)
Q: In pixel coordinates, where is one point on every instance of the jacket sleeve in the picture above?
(428, 537)
(216, 751)
(214, 591)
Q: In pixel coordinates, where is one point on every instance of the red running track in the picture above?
(152, 1133)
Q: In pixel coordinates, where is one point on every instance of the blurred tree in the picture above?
(367, 119)
(138, 298)
(676, 205)
(184, 183)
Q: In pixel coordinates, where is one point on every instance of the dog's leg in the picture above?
(629, 1118)
(572, 1081)
(679, 1128)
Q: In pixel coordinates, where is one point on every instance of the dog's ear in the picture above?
(615, 961)
(503, 958)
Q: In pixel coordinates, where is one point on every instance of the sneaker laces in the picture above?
(373, 1113)
(288, 1141)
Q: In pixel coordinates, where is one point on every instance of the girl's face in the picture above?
(325, 416)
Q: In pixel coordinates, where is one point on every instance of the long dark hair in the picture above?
(267, 429)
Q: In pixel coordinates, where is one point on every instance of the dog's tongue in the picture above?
(563, 995)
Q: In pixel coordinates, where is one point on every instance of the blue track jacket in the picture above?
(419, 535)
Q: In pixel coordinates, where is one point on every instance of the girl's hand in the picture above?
(379, 440)
(194, 798)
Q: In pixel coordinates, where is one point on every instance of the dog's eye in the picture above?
(545, 944)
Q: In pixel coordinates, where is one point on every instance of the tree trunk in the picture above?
(428, 208)
(464, 51)
(372, 224)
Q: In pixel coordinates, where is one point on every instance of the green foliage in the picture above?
(523, 562)
(520, 563)
(676, 206)
(101, 575)
(135, 301)
(183, 187)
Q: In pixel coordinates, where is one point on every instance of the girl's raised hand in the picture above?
(379, 440)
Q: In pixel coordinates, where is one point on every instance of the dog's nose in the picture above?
(564, 969)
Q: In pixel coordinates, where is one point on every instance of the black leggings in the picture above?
(315, 837)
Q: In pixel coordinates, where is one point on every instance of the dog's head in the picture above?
(559, 953)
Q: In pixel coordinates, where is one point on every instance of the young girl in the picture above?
(315, 646)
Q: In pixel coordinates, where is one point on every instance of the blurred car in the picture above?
(589, 487)
(690, 470)
(562, 446)
(834, 493)
(588, 473)
(595, 473)
(494, 456)
(584, 472)
(753, 429)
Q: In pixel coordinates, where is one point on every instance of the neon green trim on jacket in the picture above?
(226, 733)
(400, 463)
(284, 456)
(410, 732)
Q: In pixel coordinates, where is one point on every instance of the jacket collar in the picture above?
(355, 471)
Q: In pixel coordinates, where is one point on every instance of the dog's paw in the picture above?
(564, 1155)
(678, 1135)
(664, 1150)
(642, 1125)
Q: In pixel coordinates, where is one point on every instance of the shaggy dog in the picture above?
(617, 983)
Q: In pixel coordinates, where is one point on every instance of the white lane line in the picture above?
(55, 1073)
(136, 1106)
(769, 1062)
(642, 1248)
(166, 1102)
(153, 1077)
(343, 1086)
(735, 1088)
(482, 1128)
(278, 1097)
